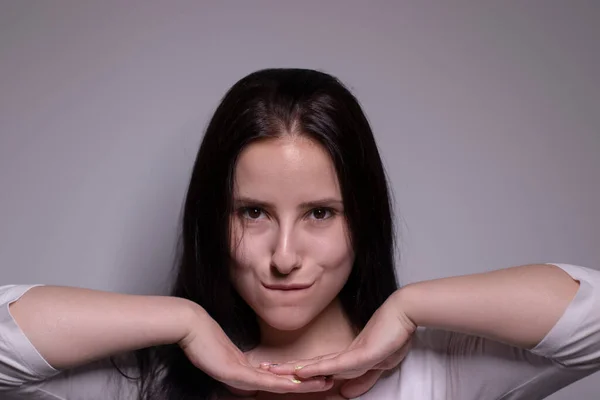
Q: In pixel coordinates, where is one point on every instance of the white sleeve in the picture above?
(575, 339)
(20, 362)
(484, 369)
(25, 374)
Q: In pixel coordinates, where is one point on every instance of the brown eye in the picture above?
(321, 213)
(252, 212)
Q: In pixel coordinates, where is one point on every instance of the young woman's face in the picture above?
(290, 244)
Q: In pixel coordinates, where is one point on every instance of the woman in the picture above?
(287, 254)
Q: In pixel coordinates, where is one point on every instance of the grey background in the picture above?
(487, 115)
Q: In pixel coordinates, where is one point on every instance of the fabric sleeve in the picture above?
(25, 374)
(485, 369)
(574, 341)
(20, 362)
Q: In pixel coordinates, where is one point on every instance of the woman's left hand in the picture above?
(380, 346)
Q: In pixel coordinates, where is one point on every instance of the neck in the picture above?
(329, 332)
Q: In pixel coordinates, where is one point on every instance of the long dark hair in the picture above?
(272, 103)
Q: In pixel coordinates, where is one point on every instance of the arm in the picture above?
(519, 333)
(534, 329)
(517, 306)
(70, 326)
(48, 326)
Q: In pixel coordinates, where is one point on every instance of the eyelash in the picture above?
(242, 211)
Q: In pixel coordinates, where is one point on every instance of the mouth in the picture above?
(288, 287)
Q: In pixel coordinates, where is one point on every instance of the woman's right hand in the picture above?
(207, 346)
(71, 326)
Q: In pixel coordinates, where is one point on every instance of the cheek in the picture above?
(337, 264)
(246, 256)
(333, 250)
(334, 254)
(240, 250)
(338, 258)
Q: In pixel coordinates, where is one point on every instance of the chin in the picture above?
(287, 318)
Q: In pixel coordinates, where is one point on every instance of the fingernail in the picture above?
(273, 365)
(298, 367)
(295, 380)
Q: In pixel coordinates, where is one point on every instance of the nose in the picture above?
(285, 257)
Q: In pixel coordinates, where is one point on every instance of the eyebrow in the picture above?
(324, 202)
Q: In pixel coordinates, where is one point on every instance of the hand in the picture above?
(381, 345)
(209, 349)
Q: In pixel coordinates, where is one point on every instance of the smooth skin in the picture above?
(517, 306)
(289, 229)
(71, 326)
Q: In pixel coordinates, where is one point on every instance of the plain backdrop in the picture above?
(487, 114)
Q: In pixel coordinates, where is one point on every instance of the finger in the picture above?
(359, 386)
(252, 379)
(351, 362)
(290, 367)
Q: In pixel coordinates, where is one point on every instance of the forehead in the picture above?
(290, 168)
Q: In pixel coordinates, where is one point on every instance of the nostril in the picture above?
(284, 267)
(277, 272)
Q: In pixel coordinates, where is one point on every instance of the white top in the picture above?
(440, 366)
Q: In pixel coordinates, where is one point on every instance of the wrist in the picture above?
(188, 316)
(403, 301)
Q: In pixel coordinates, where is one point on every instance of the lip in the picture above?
(288, 286)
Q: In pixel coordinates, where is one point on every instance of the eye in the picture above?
(251, 213)
(321, 213)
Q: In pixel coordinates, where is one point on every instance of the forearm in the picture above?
(72, 326)
(516, 305)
